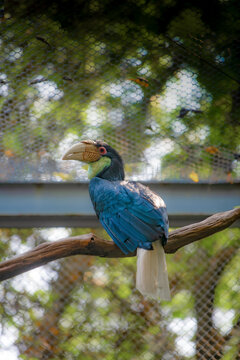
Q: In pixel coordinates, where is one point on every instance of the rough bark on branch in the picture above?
(90, 244)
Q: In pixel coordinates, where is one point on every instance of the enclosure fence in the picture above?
(162, 87)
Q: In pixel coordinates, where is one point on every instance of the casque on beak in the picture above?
(85, 151)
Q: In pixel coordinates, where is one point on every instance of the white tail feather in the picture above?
(152, 276)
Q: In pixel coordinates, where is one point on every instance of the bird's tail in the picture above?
(152, 276)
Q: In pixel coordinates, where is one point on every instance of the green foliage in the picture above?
(67, 75)
(67, 79)
(99, 313)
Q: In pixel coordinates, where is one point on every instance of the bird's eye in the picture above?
(102, 150)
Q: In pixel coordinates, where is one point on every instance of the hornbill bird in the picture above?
(133, 215)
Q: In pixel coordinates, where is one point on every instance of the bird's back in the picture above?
(131, 213)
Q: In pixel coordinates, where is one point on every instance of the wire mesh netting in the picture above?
(88, 308)
(168, 101)
(160, 83)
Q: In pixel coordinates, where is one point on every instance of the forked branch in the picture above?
(90, 244)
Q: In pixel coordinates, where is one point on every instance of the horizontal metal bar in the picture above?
(31, 221)
(68, 204)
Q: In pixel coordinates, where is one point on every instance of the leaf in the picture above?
(54, 330)
(140, 81)
(62, 175)
(40, 38)
(212, 150)
(9, 153)
(85, 167)
(229, 178)
(194, 176)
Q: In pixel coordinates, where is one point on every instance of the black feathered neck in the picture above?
(116, 170)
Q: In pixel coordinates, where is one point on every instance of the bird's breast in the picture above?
(107, 196)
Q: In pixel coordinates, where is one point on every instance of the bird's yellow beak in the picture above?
(85, 151)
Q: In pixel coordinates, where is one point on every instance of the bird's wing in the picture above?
(131, 214)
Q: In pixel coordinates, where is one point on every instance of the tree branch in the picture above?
(90, 244)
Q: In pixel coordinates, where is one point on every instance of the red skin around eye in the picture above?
(102, 150)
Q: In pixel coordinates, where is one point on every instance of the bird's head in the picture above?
(103, 161)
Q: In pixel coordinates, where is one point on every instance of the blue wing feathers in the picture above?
(132, 215)
(118, 241)
(124, 240)
(137, 227)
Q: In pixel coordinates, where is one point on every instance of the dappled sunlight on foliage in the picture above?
(89, 307)
(110, 77)
(158, 81)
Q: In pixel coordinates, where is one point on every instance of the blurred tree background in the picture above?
(67, 72)
(160, 81)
